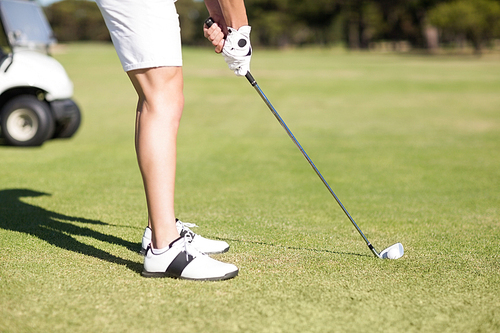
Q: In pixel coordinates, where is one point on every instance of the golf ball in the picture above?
(395, 252)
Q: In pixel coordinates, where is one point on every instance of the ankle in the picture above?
(163, 242)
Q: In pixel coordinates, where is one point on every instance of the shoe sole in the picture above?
(143, 251)
(228, 276)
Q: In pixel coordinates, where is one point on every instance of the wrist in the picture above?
(237, 24)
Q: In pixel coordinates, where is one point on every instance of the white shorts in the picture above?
(145, 33)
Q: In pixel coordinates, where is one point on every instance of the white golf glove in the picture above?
(237, 50)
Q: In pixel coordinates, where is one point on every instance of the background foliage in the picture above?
(355, 23)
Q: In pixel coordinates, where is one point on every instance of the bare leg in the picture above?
(159, 111)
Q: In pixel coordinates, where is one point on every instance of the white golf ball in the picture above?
(395, 252)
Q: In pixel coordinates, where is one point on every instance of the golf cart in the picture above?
(35, 91)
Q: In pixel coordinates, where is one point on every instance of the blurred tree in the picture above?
(426, 35)
(475, 20)
(77, 20)
(408, 20)
(362, 21)
(192, 15)
(315, 19)
(272, 24)
(278, 23)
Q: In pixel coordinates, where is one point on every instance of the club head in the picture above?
(395, 251)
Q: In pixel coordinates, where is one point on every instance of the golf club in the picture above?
(395, 251)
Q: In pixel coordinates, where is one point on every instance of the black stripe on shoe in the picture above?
(177, 265)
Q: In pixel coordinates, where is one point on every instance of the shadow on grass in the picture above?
(57, 229)
(294, 247)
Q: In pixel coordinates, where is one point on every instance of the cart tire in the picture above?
(26, 121)
(70, 127)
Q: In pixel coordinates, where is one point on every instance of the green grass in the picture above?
(410, 144)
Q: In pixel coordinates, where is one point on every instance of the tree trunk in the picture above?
(431, 37)
(353, 34)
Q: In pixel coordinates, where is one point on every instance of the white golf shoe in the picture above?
(202, 244)
(183, 261)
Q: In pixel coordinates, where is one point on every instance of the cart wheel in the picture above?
(26, 121)
(69, 126)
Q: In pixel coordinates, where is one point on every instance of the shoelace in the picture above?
(187, 224)
(189, 250)
(185, 229)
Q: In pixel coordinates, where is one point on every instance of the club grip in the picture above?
(250, 79)
(209, 21)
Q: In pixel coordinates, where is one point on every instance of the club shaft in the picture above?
(252, 81)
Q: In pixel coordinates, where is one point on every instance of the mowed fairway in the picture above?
(410, 144)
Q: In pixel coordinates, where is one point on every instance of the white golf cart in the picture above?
(35, 91)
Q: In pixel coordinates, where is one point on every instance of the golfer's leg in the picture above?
(159, 112)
